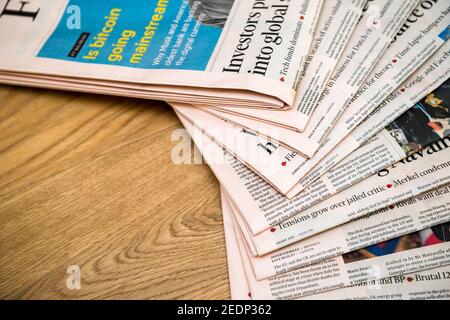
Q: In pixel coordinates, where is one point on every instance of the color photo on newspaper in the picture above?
(428, 237)
(425, 122)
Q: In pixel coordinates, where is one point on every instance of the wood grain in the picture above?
(88, 180)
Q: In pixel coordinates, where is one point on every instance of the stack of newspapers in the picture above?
(327, 123)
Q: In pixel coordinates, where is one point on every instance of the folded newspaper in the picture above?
(385, 81)
(327, 124)
(393, 258)
(262, 207)
(222, 52)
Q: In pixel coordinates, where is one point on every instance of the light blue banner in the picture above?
(148, 34)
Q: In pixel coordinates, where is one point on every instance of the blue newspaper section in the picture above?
(148, 34)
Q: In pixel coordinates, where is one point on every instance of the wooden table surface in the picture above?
(87, 180)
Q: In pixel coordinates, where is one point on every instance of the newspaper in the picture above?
(374, 193)
(239, 287)
(428, 36)
(420, 212)
(268, 158)
(280, 135)
(367, 47)
(381, 81)
(420, 84)
(246, 53)
(430, 121)
(273, 206)
(285, 178)
(418, 173)
(408, 51)
(429, 284)
(418, 251)
(262, 206)
(337, 22)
